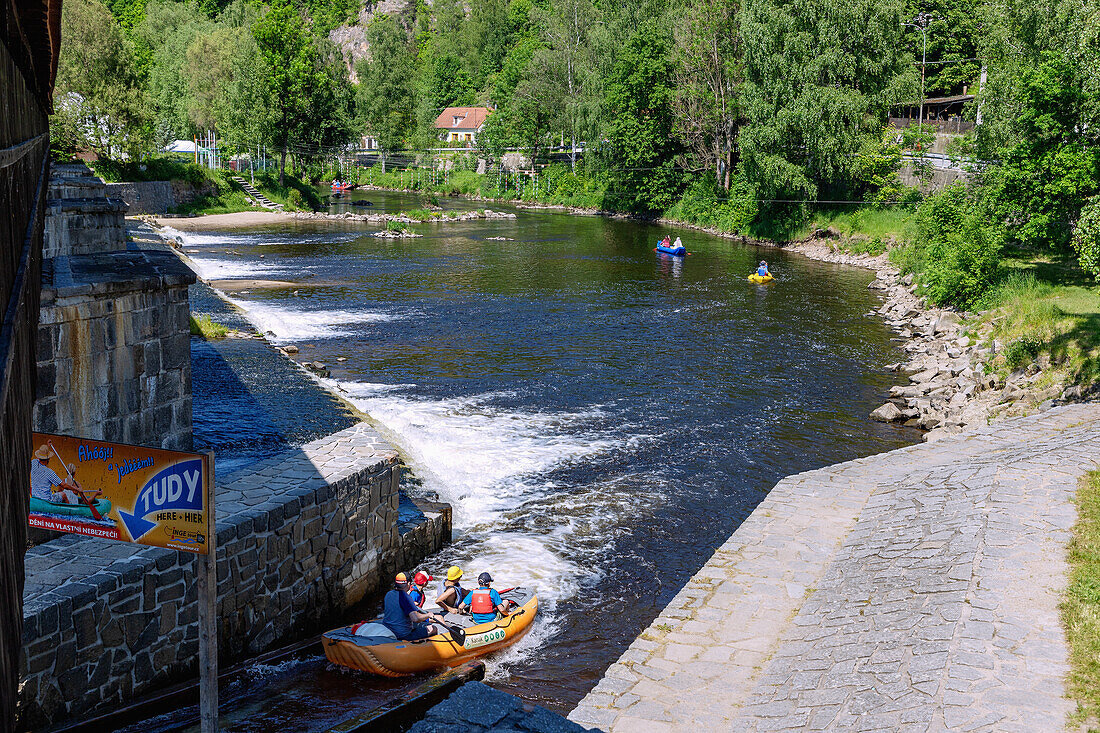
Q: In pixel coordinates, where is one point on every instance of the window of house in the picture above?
(469, 136)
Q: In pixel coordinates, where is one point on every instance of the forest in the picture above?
(744, 115)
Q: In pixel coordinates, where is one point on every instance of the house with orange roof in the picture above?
(462, 124)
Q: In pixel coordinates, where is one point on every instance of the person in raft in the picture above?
(762, 270)
(402, 617)
(451, 597)
(484, 603)
(416, 591)
(677, 244)
(47, 485)
(666, 242)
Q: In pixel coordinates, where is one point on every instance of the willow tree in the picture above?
(568, 67)
(820, 76)
(707, 84)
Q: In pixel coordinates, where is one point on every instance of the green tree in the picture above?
(639, 129)
(1045, 178)
(166, 32)
(385, 93)
(953, 29)
(819, 79)
(308, 92)
(567, 70)
(97, 97)
(707, 103)
(209, 68)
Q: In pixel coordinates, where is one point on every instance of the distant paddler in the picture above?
(762, 274)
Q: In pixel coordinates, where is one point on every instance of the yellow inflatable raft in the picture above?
(375, 649)
(757, 279)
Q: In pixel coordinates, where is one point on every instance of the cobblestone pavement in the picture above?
(914, 590)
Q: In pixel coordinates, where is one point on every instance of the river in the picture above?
(600, 417)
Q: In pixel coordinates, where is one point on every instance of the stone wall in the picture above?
(301, 537)
(941, 177)
(114, 360)
(154, 197)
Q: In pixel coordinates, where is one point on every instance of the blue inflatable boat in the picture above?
(674, 251)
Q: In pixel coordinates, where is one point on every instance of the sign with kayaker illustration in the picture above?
(122, 492)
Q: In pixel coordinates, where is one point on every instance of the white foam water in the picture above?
(490, 465)
(226, 269)
(285, 325)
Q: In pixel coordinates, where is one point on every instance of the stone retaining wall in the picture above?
(301, 537)
(114, 349)
(154, 197)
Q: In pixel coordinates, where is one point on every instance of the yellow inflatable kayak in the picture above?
(372, 647)
(757, 279)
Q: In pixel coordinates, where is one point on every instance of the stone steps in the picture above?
(262, 200)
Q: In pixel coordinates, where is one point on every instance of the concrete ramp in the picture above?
(915, 590)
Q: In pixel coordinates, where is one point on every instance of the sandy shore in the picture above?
(225, 221)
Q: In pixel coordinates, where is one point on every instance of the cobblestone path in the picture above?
(916, 590)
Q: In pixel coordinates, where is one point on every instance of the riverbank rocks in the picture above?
(388, 234)
(378, 218)
(950, 385)
(887, 413)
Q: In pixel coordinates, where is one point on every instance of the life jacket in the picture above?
(459, 594)
(481, 601)
(762, 271)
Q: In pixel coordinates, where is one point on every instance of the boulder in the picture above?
(947, 321)
(889, 412)
(930, 420)
(926, 376)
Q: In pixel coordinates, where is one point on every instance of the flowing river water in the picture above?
(599, 416)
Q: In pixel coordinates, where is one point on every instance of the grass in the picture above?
(421, 214)
(1081, 606)
(1040, 318)
(207, 328)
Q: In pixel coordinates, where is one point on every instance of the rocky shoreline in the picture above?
(399, 218)
(951, 383)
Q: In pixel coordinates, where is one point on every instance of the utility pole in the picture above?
(922, 19)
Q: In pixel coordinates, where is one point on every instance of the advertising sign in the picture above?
(123, 492)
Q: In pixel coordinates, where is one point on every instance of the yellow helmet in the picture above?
(454, 572)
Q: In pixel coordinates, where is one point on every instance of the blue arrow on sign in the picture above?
(178, 486)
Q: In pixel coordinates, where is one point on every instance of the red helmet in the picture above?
(422, 578)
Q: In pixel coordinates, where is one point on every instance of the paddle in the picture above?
(457, 632)
(79, 492)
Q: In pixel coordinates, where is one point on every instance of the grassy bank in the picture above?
(1081, 606)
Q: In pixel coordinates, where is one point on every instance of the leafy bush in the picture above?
(1022, 351)
(705, 203)
(295, 201)
(1086, 237)
(152, 168)
(957, 255)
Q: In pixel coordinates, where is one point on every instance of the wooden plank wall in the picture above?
(29, 41)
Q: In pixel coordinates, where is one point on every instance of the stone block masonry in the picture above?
(155, 197)
(114, 349)
(114, 360)
(301, 537)
(915, 590)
